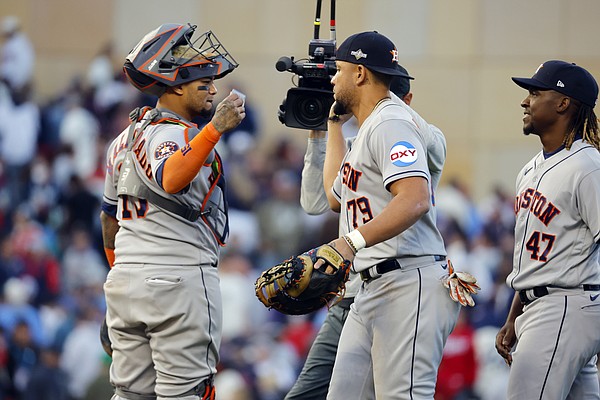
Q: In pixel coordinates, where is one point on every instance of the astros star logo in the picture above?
(394, 55)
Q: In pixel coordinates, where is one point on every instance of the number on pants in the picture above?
(360, 205)
(140, 206)
(534, 243)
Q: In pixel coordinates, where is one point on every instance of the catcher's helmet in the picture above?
(152, 67)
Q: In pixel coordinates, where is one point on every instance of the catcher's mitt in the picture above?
(461, 286)
(294, 287)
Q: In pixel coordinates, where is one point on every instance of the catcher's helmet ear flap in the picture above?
(152, 65)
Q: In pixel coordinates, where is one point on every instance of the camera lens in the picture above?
(309, 111)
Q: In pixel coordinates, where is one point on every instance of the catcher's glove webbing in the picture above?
(294, 287)
(461, 286)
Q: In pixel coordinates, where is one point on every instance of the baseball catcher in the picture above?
(461, 286)
(304, 283)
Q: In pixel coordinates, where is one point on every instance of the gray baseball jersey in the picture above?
(312, 195)
(164, 270)
(557, 229)
(557, 232)
(369, 167)
(408, 307)
(145, 229)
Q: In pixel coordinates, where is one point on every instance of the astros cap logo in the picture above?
(394, 55)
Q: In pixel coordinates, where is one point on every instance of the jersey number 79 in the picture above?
(360, 205)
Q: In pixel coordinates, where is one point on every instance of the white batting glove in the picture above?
(461, 286)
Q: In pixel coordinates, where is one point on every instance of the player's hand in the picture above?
(340, 245)
(229, 113)
(335, 118)
(505, 340)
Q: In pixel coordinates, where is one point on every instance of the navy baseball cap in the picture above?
(401, 84)
(373, 50)
(563, 77)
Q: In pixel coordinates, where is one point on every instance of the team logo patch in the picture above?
(403, 154)
(165, 149)
(358, 54)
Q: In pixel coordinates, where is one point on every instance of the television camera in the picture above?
(307, 105)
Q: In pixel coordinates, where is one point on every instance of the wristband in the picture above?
(350, 244)
(356, 240)
(110, 256)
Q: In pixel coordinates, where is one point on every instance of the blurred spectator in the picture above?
(19, 130)
(82, 264)
(47, 380)
(79, 129)
(232, 386)
(453, 201)
(10, 265)
(281, 219)
(16, 309)
(492, 377)
(101, 388)
(17, 56)
(22, 358)
(458, 369)
(242, 314)
(274, 366)
(81, 207)
(82, 352)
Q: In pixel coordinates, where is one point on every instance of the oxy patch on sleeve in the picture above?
(165, 149)
(403, 154)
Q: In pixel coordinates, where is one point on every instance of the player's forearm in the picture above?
(110, 227)
(335, 151)
(516, 309)
(411, 201)
(313, 198)
(183, 166)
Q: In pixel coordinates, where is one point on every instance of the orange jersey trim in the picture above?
(183, 166)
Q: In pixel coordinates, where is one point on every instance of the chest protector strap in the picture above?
(130, 183)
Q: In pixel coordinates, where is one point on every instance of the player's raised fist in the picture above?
(230, 112)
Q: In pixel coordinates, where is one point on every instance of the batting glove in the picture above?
(461, 286)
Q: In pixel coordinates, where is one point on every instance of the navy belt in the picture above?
(393, 264)
(527, 296)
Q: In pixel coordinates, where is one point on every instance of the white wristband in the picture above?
(357, 240)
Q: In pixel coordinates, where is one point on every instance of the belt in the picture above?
(402, 263)
(527, 296)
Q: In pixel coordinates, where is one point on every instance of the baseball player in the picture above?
(391, 343)
(314, 378)
(164, 217)
(551, 335)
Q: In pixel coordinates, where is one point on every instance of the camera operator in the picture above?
(313, 381)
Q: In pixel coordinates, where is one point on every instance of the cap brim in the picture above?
(528, 83)
(389, 71)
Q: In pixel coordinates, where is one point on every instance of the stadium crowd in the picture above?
(52, 266)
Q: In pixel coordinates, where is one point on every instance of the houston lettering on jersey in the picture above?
(537, 204)
(350, 176)
(140, 154)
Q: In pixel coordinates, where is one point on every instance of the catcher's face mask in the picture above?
(152, 65)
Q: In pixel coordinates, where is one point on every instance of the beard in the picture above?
(207, 112)
(340, 107)
(528, 129)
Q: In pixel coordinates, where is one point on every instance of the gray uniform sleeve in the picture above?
(312, 194)
(588, 196)
(398, 151)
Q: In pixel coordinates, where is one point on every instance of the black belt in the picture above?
(389, 265)
(529, 295)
